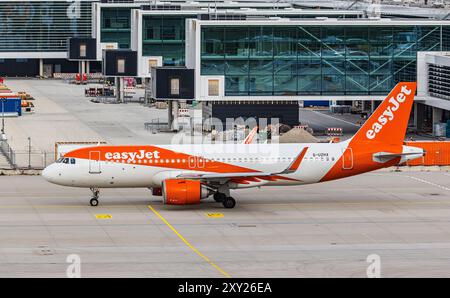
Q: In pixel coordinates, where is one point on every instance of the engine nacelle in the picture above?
(183, 192)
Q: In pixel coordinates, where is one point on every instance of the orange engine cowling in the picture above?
(183, 192)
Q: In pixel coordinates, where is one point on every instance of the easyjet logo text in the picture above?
(141, 154)
(389, 113)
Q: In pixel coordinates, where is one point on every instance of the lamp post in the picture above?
(3, 100)
(29, 152)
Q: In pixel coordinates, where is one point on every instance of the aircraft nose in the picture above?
(48, 173)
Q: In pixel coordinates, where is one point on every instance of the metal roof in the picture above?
(385, 9)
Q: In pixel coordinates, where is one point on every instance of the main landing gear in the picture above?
(227, 202)
(94, 200)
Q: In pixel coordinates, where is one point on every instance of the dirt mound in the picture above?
(298, 135)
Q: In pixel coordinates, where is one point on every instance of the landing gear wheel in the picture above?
(229, 203)
(94, 202)
(219, 197)
(95, 194)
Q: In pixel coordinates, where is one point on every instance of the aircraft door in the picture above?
(200, 162)
(192, 162)
(94, 162)
(347, 159)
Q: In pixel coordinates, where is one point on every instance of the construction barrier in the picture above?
(437, 153)
(335, 131)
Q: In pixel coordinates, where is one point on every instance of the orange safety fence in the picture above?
(437, 153)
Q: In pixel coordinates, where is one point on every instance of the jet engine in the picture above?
(183, 192)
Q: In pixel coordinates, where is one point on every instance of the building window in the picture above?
(213, 87)
(152, 63)
(121, 65)
(82, 50)
(175, 86)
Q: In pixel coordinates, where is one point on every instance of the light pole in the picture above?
(3, 117)
(29, 152)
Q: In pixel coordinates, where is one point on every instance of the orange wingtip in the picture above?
(294, 166)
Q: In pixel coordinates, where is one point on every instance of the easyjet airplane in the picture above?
(187, 174)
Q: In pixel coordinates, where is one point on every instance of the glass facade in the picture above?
(164, 35)
(316, 60)
(116, 26)
(41, 26)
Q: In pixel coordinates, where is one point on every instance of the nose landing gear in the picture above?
(95, 194)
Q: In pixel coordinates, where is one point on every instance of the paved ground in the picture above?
(320, 120)
(311, 231)
(63, 113)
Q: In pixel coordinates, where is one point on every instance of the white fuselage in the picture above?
(318, 160)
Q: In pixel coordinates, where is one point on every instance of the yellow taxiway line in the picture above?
(188, 244)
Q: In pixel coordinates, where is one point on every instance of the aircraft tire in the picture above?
(93, 202)
(229, 203)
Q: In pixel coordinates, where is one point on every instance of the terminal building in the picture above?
(267, 58)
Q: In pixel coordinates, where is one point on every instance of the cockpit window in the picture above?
(66, 160)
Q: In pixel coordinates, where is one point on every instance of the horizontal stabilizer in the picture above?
(383, 157)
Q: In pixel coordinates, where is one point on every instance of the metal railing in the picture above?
(30, 158)
(8, 153)
(156, 125)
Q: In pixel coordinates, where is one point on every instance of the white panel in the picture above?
(204, 87)
(144, 65)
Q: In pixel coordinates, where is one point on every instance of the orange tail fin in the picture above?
(389, 122)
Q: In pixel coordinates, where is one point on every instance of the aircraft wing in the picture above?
(293, 166)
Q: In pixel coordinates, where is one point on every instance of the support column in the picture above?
(169, 114)
(364, 105)
(147, 93)
(372, 106)
(88, 67)
(175, 114)
(419, 116)
(83, 68)
(437, 115)
(119, 90)
(41, 67)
